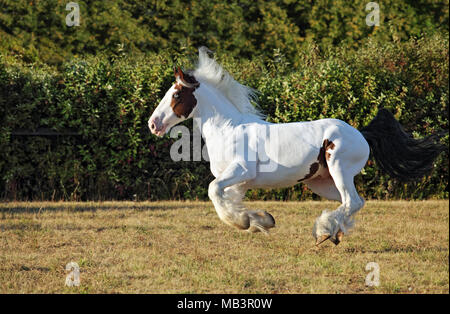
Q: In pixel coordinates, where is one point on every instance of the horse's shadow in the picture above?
(37, 208)
(393, 249)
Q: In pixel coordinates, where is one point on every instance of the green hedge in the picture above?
(35, 30)
(108, 100)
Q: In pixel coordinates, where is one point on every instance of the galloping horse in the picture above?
(247, 152)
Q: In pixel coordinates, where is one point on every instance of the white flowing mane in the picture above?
(241, 96)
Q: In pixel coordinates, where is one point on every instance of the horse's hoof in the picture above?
(322, 239)
(326, 227)
(339, 236)
(260, 221)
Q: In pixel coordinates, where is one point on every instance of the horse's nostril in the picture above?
(152, 126)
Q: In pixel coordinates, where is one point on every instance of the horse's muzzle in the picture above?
(156, 127)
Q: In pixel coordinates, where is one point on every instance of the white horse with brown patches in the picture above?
(247, 152)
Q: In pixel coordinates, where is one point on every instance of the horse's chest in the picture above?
(220, 155)
(217, 168)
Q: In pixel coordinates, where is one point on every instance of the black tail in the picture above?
(397, 152)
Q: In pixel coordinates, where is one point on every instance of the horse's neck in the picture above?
(215, 113)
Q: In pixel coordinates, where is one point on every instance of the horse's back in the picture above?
(314, 133)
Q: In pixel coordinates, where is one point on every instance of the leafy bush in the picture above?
(35, 30)
(108, 100)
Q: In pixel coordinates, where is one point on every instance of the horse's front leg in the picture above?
(228, 205)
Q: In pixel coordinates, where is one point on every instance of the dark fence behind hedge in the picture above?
(95, 112)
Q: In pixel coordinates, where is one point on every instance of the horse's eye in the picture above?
(176, 96)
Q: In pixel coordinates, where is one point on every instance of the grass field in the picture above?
(182, 247)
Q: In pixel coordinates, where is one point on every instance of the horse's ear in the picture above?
(189, 82)
(178, 73)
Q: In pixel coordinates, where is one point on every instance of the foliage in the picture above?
(35, 30)
(108, 99)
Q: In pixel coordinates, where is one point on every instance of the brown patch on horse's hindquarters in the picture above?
(321, 159)
(323, 154)
(312, 171)
(328, 145)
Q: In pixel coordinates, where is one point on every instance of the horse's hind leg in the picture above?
(343, 166)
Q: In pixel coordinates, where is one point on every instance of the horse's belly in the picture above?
(292, 157)
(277, 176)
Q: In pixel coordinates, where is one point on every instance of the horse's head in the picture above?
(176, 106)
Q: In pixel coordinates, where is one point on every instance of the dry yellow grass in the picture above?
(182, 247)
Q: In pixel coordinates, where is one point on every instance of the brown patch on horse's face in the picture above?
(183, 101)
(321, 159)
